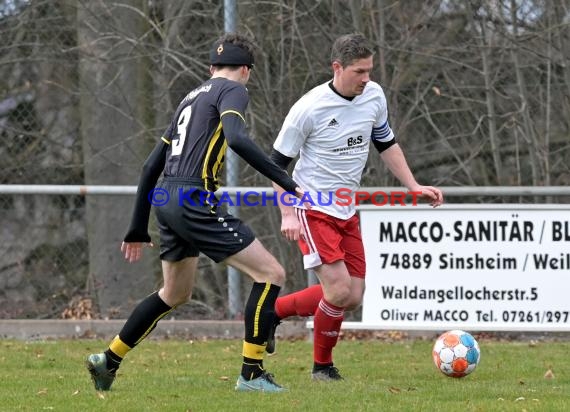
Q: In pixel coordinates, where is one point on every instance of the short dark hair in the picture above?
(231, 50)
(350, 47)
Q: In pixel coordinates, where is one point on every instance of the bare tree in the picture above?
(477, 93)
(113, 80)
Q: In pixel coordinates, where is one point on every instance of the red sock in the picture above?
(301, 303)
(327, 321)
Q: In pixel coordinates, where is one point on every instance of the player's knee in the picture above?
(339, 295)
(279, 276)
(354, 301)
(173, 297)
(184, 299)
(276, 275)
(353, 305)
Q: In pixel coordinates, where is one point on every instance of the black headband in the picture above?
(228, 54)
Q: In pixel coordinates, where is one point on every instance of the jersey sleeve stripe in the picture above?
(165, 140)
(383, 133)
(234, 112)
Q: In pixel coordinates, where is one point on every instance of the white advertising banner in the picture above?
(477, 267)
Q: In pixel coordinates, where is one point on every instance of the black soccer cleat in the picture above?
(327, 373)
(271, 343)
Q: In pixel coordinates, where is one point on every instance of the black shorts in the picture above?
(190, 222)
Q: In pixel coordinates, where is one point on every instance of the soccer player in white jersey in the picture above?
(331, 128)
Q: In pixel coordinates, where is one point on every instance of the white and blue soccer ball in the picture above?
(456, 353)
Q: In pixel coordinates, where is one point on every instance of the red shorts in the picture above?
(329, 239)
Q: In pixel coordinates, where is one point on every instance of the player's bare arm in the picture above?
(396, 162)
(291, 228)
(290, 225)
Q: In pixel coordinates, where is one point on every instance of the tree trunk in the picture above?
(112, 105)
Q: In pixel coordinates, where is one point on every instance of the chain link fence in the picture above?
(477, 96)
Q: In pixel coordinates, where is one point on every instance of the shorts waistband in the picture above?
(193, 181)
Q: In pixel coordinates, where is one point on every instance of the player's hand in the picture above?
(433, 194)
(291, 228)
(299, 194)
(133, 250)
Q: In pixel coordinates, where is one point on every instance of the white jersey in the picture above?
(332, 136)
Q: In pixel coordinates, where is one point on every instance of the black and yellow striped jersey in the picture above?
(208, 121)
(197, 142)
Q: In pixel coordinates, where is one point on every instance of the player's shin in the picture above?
(327, 322)
(140, 323)
(258, 317)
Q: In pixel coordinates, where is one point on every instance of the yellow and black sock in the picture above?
(116, 352)
(258, 317)
(140, 323)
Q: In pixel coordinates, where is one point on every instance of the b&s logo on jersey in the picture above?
(353, 141)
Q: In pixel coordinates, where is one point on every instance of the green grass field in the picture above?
(182, 375)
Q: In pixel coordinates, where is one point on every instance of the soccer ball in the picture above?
(456, 353)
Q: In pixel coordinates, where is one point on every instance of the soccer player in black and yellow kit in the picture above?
(190, 157)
